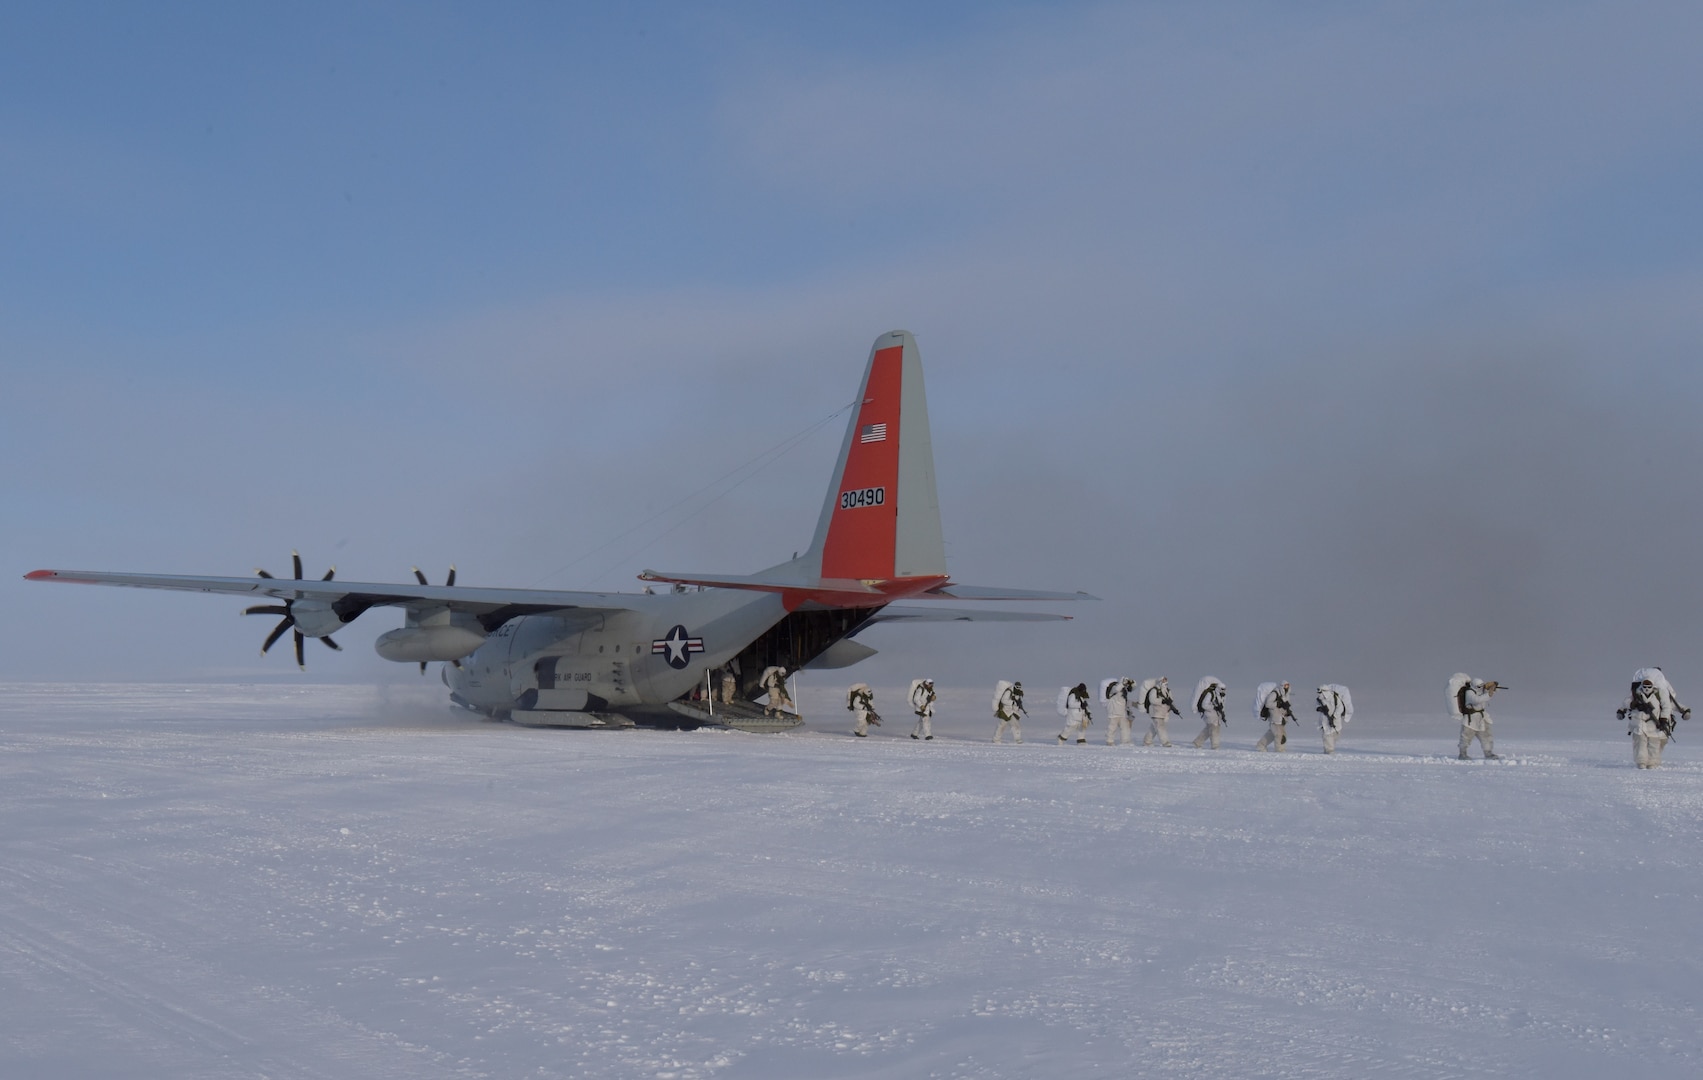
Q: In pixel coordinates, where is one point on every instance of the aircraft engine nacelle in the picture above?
(315, 618)
(418, 644)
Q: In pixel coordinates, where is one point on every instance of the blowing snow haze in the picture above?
(1325, 344)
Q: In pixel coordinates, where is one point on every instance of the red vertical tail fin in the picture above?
(881, 519)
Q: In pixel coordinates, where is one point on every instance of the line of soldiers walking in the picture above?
(1652, 711)
(1153, 697)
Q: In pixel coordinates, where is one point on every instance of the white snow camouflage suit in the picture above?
(1469, 701)
(1115, 694)
(922, 703)
(1073, 706)
(1156, 699)
(860, 699)
(774, 683)
(1210, 694)
(1651, 713)
(1271, 704)
(1335, 709)
(1008, 709)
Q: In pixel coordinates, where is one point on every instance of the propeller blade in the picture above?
(297, 559)
(422, 667)
(267, 609)
(277, 632)
(329, 574)
(420, 577)
(451, 579)
(263, 573)
(332, 644)
(301, 661)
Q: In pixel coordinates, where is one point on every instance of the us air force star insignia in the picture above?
(676, 647)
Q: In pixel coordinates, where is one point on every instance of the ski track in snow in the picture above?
(330, 881)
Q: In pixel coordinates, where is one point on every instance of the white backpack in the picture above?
(1201, 687)
(1457, 683)
(1142, 691)
(1260, 694)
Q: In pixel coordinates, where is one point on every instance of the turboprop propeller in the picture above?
(287, 610)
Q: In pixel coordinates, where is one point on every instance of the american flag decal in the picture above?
(873, 433)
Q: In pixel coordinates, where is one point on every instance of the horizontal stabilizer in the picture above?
(764, 583)
(982, 592)
(934, 614)
(841, 654)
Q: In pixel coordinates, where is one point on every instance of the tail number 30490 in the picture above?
(851, 500)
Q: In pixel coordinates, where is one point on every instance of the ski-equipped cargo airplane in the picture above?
(579, 659)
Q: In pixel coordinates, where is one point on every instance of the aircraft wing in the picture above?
(349, 599)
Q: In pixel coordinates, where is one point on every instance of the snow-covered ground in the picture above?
(305, 881)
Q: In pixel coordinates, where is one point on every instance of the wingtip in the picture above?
(58, 575)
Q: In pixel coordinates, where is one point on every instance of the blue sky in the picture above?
(1374, 316)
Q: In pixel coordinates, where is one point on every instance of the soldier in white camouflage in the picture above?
(1008, 709)
(922, 703)
(860, 700)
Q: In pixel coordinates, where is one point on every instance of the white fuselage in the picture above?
(613, 660)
